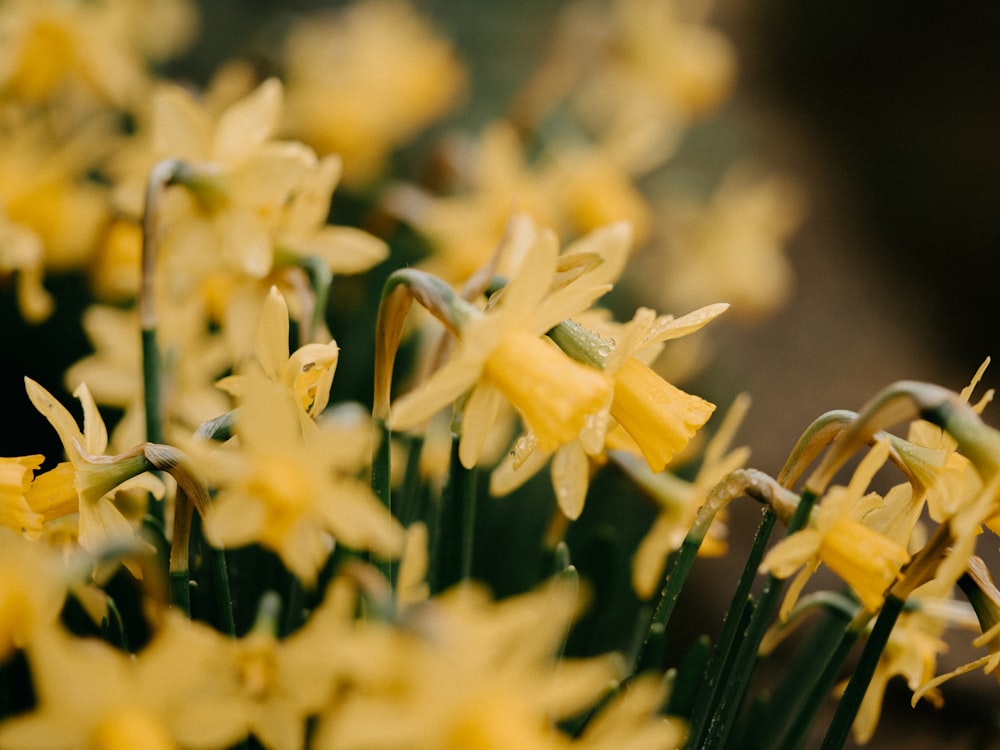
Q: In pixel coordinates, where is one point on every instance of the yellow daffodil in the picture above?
(365, 80)
(53, 48)
(733, 248)
(465, 672)
(194, 359)
(914, 645)
(302, 230)
(48, 203)
(32, 591)
(983, 595)
(659, 417)
(84, 484)
(634, 720)
(89, 697)
(16, 475)
(22, 255)
(257, 684)
(465, 226)
(837, 536)
(502, 355)
(307, 373)
(294, 491)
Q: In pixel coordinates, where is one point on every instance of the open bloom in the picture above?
(502, 355)
(291, 489)
(466, 672)
(658, 417)
(307, 373)
(84, 483)
(837, 536)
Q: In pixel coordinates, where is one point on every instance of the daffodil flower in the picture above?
(84, 484)
(292, 490)
(659, 418)
(502, 354)
(307, 373)
(466, 672)
(837, 536)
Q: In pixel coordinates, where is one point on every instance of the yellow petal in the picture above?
(272, 334)
(248, 123)
(571, 478)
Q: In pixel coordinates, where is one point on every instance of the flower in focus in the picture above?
(16, 513)
(365, 80)
(837, 536)
(502, 355)
(658, 417)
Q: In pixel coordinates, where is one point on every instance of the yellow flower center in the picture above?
(258, 667)
(660, 417)
(285, 488)
(130, 728)
(552, 392)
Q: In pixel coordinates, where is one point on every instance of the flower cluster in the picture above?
(312, 517)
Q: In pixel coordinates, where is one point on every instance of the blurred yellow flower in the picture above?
(466, 672)
(32, 591)
(731, 248)
(291, 489)
(365, 80)
(307, 373)
(60, 48)
(86, 482)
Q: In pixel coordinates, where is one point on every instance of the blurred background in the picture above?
(886, 114)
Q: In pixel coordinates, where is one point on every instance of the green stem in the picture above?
(409, 501)
(220, 586)
(796, 726)
(722, 656)
(847, 710)
(732, 696)
(381, 485)
(651, 652)
(180, 590)
(381, 464)
(456, 525)
(792, 708)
